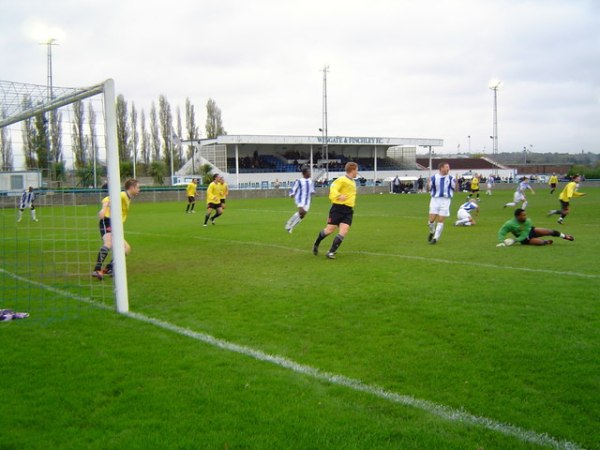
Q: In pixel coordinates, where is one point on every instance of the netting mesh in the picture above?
(48, 256)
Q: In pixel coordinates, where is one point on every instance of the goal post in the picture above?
(42, 235)
(114, 191)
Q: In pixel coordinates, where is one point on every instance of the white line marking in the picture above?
(442, 411)
(395, 255)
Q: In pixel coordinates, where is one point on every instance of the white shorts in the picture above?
(440, 206)
(518, 197)
(304, 206)
(462, 215)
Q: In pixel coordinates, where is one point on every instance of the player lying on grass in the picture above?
(524, 232)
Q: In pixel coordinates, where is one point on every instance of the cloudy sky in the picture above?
(397, 68)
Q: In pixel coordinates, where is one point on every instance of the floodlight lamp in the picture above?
(494, 84)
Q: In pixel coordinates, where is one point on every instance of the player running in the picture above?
(519, 195)
(569, 191)
(302, 191)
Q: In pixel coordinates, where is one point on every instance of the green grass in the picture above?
(509, 334)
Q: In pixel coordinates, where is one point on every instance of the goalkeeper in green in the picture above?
(521, 227)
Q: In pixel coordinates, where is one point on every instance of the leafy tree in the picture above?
(78, 140)
(145, 142)
(29, 137)
(157, 172)
(6, 152)
(92, 142)
(41, 141)
(192, 133)
(122, 129)
(154, 135)
(166, 128)
(205, 173)
(135, 137)
(178, 146)
(214, 123)
(57, 169)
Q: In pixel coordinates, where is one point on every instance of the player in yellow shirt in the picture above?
(342, 194)
(223, 192)
(474, 187)
(213, 199)
(569, 191)
(191, 191)
(132, 188)
(553, 182)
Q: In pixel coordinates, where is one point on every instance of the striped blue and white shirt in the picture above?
(26, 199)
(302, 190)
(468, 206)
(442, 185)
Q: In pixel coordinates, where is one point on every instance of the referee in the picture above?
(342, 194)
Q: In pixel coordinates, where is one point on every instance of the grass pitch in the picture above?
(505, 334)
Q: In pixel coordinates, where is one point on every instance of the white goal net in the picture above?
(63, 145)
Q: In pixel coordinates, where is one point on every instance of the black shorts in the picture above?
(564, 205)
(532, 234)
(222, 201)
(340, 214)
(214, 205)
(191, 199)
(105, 226)
(553, 185)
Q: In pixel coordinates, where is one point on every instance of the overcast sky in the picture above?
(397, 68)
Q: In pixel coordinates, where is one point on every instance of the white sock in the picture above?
(431, 227)
(438, 230)
(510, 204)
(33, 214)
(295, 220)
(524, 205)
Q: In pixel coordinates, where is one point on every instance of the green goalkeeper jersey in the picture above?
(520, 230)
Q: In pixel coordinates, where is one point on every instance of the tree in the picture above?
(178, 145)
(57, 165)
(214, 123)
(92, 143)
(154, 135)
(145, 145)
(6, 152)
(135, 137)
(166, 128)
(29, 135)
(41, 143)
(205, 170)
(77, 137)
(192, 133)
(122, 129)
(157, 172)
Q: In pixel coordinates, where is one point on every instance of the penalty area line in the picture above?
(442, 411)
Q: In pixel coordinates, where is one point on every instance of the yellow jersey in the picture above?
(474, 183)
(569, 191)
(191, 189)
(212, 193)
(553, 180)
(125, 201)
(343, 186)
(223, 191)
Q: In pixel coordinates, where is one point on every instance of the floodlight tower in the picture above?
(324, 128)
(49, 43)
(494, 85)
